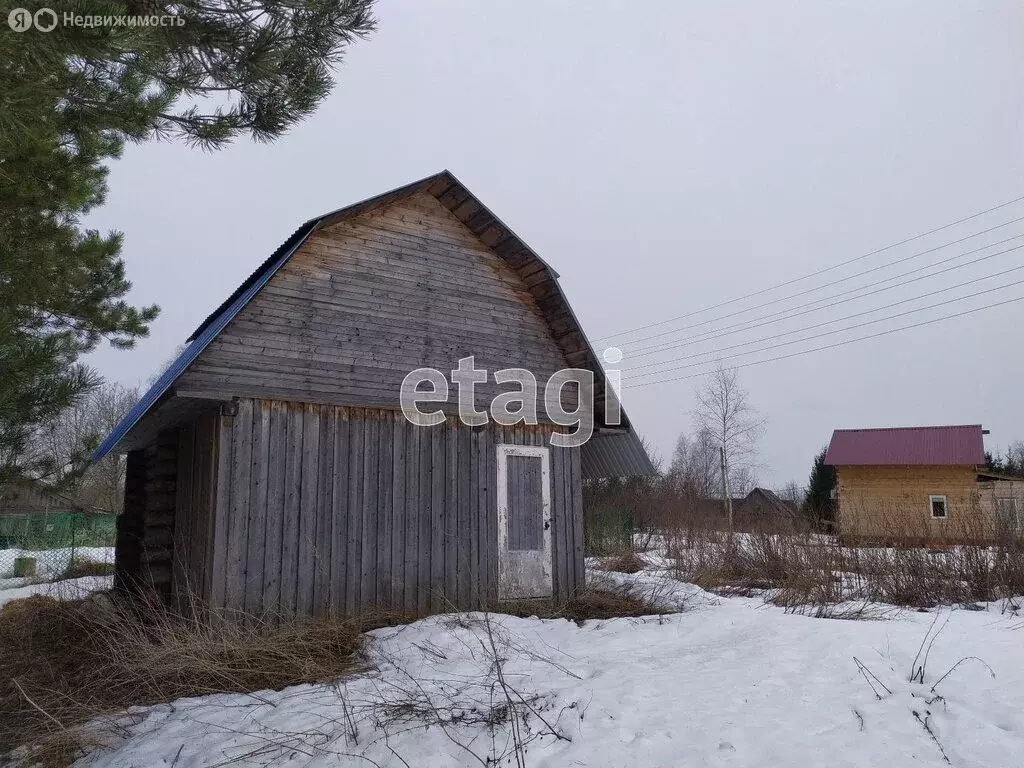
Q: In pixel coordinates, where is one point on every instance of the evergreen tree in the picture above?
(69, 99)
(1012, 464)
(819, 505)
(221, 68)
(993, 463)
(61, 287)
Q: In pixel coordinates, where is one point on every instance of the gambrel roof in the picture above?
(612, 451)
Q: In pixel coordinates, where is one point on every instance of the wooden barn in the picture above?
(271, 470)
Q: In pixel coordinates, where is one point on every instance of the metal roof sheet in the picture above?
(942, 445)
(614, 454)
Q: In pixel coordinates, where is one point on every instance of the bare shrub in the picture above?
(818, 583)
(483, 696)
(1008, 565)
(910, 576)
(924, 699)
(800, 568)
(80, 567)
(607, 603)
(627, 562)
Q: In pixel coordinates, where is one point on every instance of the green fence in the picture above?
(608, 532)
(47, 547)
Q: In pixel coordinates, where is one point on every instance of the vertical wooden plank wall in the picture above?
(337, 509)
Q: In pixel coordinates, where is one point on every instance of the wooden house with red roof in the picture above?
(921, 483)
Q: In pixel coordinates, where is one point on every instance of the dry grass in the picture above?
(909, 560)
(626, 562)
(65, 663)
(80, 567)
(69, 668)
(590, 604)
(801, 568)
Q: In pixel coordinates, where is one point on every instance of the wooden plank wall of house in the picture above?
(1002, 500)
(329, 508)
(891, 502)
(365, 301)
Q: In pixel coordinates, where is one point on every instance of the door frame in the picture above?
(529, 451)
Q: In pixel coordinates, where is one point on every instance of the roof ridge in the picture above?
(893, 429)
(946, 444)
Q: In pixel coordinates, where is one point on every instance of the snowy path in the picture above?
(728, 683)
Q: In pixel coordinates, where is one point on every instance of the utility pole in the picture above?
(726, 496)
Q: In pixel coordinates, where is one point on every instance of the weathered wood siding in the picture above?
(337, 509)
(194, 508)
(891, 502)
(366, 301)
(145, 530)
(1003, 502)
(128, 544)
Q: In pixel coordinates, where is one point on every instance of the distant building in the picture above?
(25, 500)
(761, 509)
(921, 483)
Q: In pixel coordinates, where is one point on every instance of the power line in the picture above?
(838, 319)
(850, 277)
(789, 313)
(841, 343)
(820, 271)
(818, 335)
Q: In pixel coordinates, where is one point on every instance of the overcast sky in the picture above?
(663, 157)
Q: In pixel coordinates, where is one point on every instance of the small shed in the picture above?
(271, 470)
(763, 509)
(760, 510)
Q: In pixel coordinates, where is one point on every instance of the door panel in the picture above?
(524, 522)
(525, 503)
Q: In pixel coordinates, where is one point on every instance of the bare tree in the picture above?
(652, 453)
(159, 370)
(1015, 457)
(76, 430)
(742, 480)
(694, 470)
(792, 492)
(725, 413)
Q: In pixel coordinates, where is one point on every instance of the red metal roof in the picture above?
(954, 445)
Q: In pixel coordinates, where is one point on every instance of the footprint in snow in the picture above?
(725, 746)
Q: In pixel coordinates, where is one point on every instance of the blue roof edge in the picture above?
(196, 346)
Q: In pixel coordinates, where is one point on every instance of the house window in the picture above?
(937, 504)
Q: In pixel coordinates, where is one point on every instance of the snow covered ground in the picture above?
(50, 563)
(68, 589)
(726, 682)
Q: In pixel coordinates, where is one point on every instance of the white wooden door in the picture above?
(524, 521)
